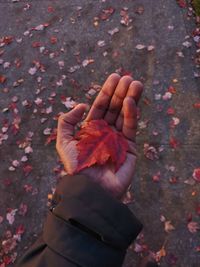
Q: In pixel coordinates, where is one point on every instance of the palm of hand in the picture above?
(116, 103)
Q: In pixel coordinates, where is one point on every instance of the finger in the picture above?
(102, 101)
(135, 91)
(130, 118)
(68, 121)
(126, 172)
(117, 99)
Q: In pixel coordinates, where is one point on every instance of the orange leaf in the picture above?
(98, 143)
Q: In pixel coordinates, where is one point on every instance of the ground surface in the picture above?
(48, 67)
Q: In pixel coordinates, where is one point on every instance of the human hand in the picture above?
(116, 103)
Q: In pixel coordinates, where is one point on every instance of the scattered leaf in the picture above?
(169, 227)
(2, 78)
(196, 174)
(140, 46)
(27, 169)
(193, 227)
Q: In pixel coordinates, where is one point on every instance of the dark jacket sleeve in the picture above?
(85, 227)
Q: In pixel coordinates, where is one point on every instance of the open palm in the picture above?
(116, 104)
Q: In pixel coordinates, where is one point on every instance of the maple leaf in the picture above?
(173, 142)
(171, 111)
(20, 229)
(36, 44)
(2, 78)
(51, 137)
(6, 40)
(27, 169)
(182, 3)
(53, 40)
(98, 143)
(196, 105)
(172, 90)
(196, 174)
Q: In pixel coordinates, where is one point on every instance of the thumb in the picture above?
(68, 121)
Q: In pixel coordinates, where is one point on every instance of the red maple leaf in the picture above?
(50, 9)
(196, 174)
(173, 142)
(20, 229)
(51, 137)
(182, 3)
(2, 78)
(196, 105)
(98, 143)
(36, 44)
(170, 111)
(6, 40)
(27, 169)
(53, 40)
(172, 90)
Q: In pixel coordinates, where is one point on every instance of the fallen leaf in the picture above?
(139, 10)
(87, 62)
(171, 89)
(182, 3)
(47, 131)
(150, 48)
(1, 219)
(28, 150)
(193, 227)
(32, 71)
(169, 227)
(156, 177)
(167, 96)
(187, 44)
(140, 46)
(2, 78)
(150, 152)
(106, 13)
(24, 159)
(50, 9)
(196, 174)
(6, 40)
(27, 169)
(98, 143)
(161, 253)
(197, 249)
(170, 111)
(23, 208)
(20, 230)
(53, 40)
(173, 142)
(113, 31)
(101, 43)
(51, 137)
(68, 102)
(197, 105)
(10, 216)
(36, 44)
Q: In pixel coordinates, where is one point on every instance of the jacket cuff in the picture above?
(87, 214)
